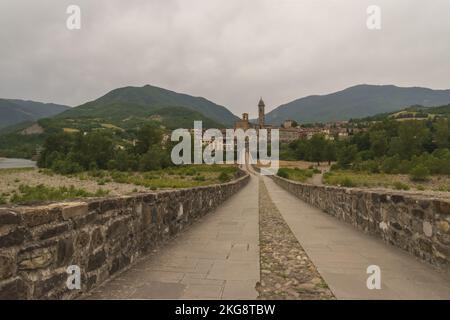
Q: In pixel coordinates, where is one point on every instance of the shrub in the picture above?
(347, 182)
(200, 178)
(66, 167)
(224, 177)
(400, 186)
(390, 164)
(316, 171)
(283, 173)
(190, 172)
(101, 193)
(335, 167)
(29, 194)
(368, 166)
(419, 173)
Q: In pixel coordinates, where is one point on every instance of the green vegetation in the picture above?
(347, 178)
(13, 111)
(129, 102)
(224, 177)
(419, 173)
(356, 102)
(317, 149)
(173, 177)
(295, 174)
(15, 145)
(416, 148)
(68, 153)
(14, 170)
(400, 185)
(32, 194)
(117, 114)
(413, 112)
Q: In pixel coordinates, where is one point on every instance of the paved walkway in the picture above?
(216, 258)
(342, 255)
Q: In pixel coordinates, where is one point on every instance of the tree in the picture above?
(442, 134)
(347, 155)
(379, 143)
(412, 136)
(419, 173)
(146, 137)
(317, 147)
(330, 152)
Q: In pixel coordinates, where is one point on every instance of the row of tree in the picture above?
(68, 153)
(388, 146)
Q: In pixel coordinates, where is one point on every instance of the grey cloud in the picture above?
(230, 51)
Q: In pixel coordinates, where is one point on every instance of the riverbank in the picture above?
(12, 163)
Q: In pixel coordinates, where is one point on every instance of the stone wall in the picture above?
(101, 236)
(415, 223)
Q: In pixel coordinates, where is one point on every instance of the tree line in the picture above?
(389, 146)
(69, 153)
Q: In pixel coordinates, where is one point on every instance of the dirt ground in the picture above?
(11, 180)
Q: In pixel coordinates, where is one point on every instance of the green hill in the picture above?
(356, 102)
(128, 116)
(413, 112)
(121, 112)
(14, 111)
(139, 101)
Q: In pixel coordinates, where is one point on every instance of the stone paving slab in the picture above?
(216, 258)
(342, 254)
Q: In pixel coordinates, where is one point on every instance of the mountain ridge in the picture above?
(151, 97)
(15, 111)
(356, 102)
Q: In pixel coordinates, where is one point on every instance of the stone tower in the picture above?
(261, 107)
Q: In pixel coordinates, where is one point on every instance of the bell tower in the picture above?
(261, 107)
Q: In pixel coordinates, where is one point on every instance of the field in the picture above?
(296, 174)
(22, 186)
(389, 181)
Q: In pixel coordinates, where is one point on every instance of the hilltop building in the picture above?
(244, 123)
(288, 132)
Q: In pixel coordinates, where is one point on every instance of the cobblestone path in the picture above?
(286, 270)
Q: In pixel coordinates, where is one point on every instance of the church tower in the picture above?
(261, 107)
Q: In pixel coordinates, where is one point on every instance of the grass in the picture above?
(173, 177)
(2, 199)
(32, 194)
(15, 170)
(362, 179)
(295, 174)
(347, 178)
(400, 186)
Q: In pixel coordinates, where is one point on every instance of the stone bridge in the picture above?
(255, 237)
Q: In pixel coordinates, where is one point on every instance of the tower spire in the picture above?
(261, 113)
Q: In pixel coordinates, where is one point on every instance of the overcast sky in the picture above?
(229, 51)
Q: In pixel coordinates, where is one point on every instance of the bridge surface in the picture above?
(218, 257)
(215, 258)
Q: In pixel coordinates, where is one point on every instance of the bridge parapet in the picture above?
(100, 236)
(415, 223)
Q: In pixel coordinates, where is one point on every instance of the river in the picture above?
(9, 163)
